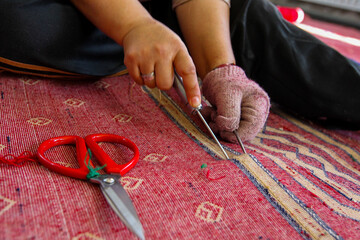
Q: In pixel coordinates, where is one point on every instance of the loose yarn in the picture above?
(207, 173)
(27, 156)
(20, 160)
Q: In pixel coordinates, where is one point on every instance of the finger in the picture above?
(229, 108)
(255, 110)
(186, 69)
(164, 74)
(148, 74)
(149, 79)
(133, 70)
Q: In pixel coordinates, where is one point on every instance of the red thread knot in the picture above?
(20, 160)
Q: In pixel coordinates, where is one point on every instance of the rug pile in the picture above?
(299, 181)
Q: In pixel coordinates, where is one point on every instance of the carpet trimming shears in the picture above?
(180, 87)
(109, 183)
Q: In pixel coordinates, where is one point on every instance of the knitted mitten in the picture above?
(238, 103)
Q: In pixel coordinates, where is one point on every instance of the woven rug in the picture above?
(299, 181)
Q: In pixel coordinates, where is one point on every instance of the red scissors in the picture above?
(110, 186)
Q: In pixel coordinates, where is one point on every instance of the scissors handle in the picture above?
(81, 151)
(104, 158)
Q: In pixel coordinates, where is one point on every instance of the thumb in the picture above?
(229, 108)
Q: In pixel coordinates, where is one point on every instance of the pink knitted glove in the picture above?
(239, 103)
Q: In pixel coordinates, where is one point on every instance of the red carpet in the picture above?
(300, 181)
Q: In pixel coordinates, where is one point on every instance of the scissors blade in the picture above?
(120, 202)
(180, 87)
(240, 142)
(211, 132)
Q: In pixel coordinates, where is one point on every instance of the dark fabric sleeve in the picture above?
(55, 34)
(298, 71)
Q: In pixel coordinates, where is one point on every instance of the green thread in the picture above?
(93, 172)
(203, 166)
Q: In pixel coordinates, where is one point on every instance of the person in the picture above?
(244, 52)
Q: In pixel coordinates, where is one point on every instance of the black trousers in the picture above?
(298, 71)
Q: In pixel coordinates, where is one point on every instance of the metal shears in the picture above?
(109, 183)
(178, 83)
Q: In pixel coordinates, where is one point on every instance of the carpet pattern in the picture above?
(299, 181)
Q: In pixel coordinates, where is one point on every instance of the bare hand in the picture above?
(152, 47)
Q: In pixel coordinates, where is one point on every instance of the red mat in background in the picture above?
(301, 181)
(341, 44)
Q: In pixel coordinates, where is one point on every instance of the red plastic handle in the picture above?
(293, 15)
(81, 150)
(103, 158)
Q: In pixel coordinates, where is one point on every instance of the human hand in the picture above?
(152, 47)
(239, 104)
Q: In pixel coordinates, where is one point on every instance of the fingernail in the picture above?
(195, 101)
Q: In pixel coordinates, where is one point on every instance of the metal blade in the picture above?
(211, 132)
(180, 87)
(240, 142)
(120, 202)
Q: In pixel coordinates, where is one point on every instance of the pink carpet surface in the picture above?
(299, 181)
